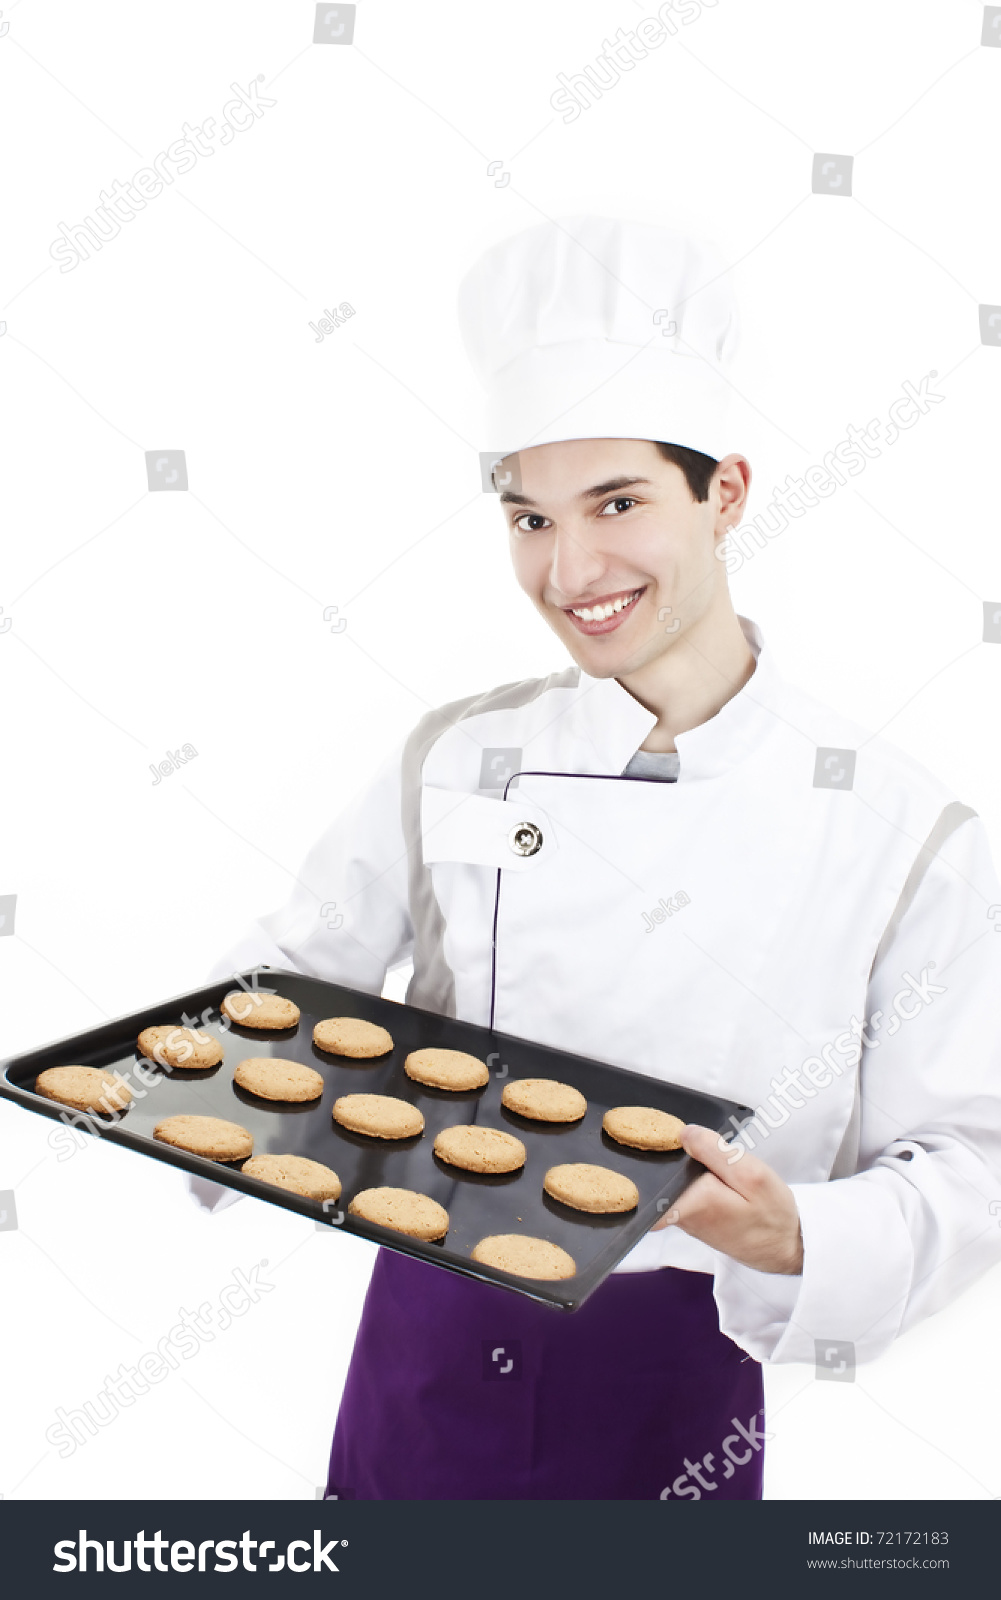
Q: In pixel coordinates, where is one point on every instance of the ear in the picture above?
(732, 481)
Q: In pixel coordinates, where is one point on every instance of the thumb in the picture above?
(714, 1151)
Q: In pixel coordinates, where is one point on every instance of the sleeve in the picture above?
(347, 918)
(920, 1219)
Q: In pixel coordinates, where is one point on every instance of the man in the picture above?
(822, 950)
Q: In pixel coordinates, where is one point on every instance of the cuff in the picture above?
(858, 1261)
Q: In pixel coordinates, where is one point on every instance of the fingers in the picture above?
(733, 1176)
(730, 1163)
(698, 1141)
(693, 1203)
(743, 1209)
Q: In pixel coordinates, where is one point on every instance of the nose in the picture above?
(576, 562)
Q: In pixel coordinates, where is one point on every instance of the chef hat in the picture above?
(597, 328)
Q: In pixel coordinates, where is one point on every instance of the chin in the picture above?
(598, 660)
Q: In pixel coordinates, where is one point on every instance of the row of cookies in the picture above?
(403, 1210)
(184, 1049)
(541, 1099)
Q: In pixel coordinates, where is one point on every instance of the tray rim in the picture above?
(287, 1199)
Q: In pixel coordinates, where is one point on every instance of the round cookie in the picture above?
(351, 1036)
(379, 1115)
(213, 1137)
(85, 1089)
(544, 1100)
(643, 1127)
(480, 1149)
(402, 1209)
(446, 1069)
(173, 1046)
(528, 1257)
(297, 1173)
(591, 1188)
(255, 1010)
(275, 1079)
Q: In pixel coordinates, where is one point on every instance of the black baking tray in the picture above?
(477, 1204)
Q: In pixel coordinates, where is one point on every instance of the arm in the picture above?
(347, 917)
(914, 1226)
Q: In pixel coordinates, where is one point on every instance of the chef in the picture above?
(665, 856)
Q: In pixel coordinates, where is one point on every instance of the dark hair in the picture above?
(698, 468)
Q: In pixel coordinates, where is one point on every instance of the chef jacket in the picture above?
(805, 922)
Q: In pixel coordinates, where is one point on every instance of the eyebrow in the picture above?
(594, 493)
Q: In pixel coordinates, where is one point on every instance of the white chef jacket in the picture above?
(735, 932)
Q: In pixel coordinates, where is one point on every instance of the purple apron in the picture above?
(459, 1390)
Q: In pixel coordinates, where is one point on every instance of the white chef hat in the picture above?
(598, 328)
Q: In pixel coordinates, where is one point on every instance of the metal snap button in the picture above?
(525, 839)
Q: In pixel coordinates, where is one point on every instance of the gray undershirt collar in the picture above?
(662, 764)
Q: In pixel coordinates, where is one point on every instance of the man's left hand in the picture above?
(739, 1206)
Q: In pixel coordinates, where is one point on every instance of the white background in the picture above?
(345, 473)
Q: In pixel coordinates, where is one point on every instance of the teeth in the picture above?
(603, 612)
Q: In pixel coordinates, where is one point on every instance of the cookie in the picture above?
(643, 1127)
(302, 1176)
(446, 1069)
(379, 1115)
(402, 1209)
(350, 1036)
(528, 1257)
(544, 1100)
(206, 1136)
(255, 1010)
(173, 1046)
(275, 1079)
(84, 1088)
(480, 1149)
(591, 1188)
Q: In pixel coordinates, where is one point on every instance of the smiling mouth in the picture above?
(605, 615)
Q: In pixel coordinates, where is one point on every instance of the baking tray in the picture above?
(477, 1204)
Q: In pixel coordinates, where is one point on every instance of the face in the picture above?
(609, 545)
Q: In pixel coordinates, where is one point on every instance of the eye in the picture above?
(532, 517)
(620, 504)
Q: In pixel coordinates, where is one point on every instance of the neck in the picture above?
(688, 683)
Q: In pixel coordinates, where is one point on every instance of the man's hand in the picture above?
(740, 1206)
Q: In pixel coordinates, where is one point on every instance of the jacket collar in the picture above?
(615, 724)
